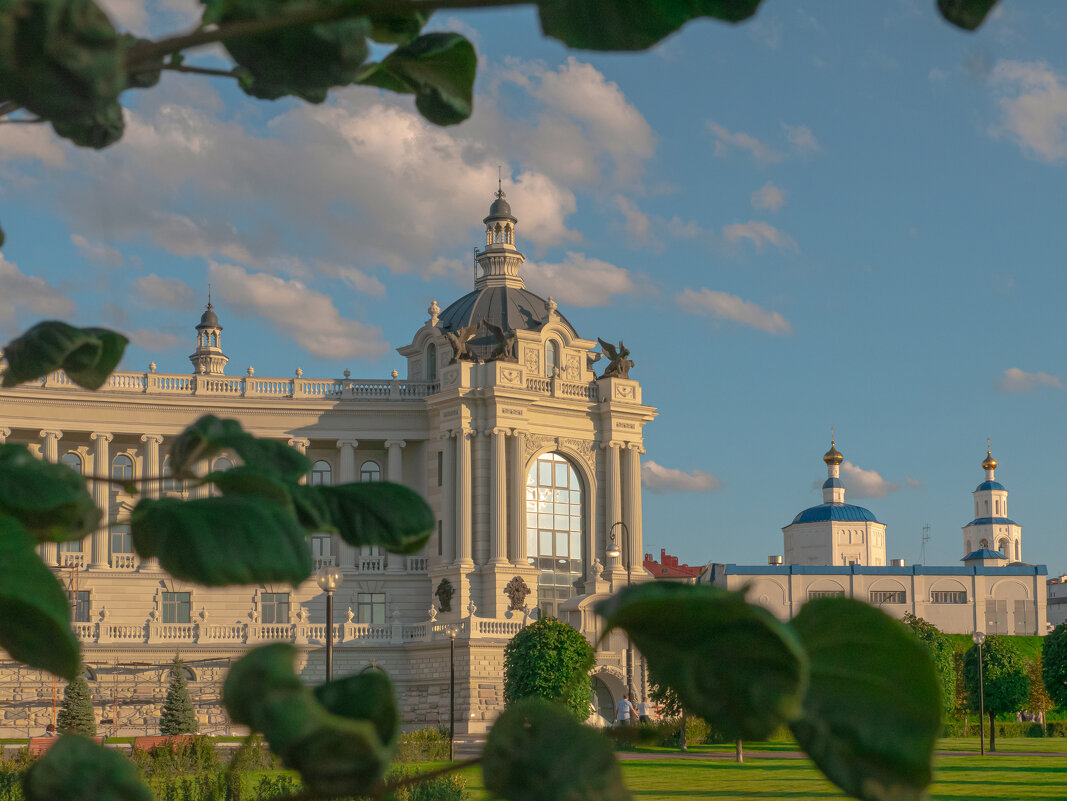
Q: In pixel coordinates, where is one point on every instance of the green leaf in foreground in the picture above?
(729, 661)
(87, 355)
(537, 751)
(34, 611)
(98, 130)
(397, 27)
(380, 513)
(78, 769)
(211, 435)
(333, 736)
(630, 24)
(966, 14)
(872, 709)
(439, 68)
(235, 539)
(50, 500)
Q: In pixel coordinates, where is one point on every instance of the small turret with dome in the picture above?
(991, 528)
(208, 359)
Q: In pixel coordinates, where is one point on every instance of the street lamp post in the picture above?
(612, 552)
(979, 638)
(452, 630)
(329, 578)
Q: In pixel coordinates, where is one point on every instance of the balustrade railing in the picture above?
(72, 560)
(84, 631)
(418, 564)
(370, 564)
(172, 632)
(123, 561)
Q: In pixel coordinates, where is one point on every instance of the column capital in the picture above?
(352, 443)
(104, 436)
(51, 433)
(612, 443)
(635, 446)
(300, 443)
(468, 433)
(497, 431)
(389, 443)
(156, 438)
(516, 433)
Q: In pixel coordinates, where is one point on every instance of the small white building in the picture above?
(1057, 601)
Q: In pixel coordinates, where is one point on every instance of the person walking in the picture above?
(644, 711)
(624, 711)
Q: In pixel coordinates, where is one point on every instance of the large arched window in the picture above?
(73, 461)
(122, 468)
(370, 471)
(554, 528)
(431, 362)
(171, 484)
(321, 473)
(551, 358)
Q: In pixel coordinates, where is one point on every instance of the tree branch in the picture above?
(200, 70)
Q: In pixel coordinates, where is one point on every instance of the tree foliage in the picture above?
(1039, 701)
(178, 715)
(1054, 664)
(942, 654)
(1005, 683)
(76, 714)
(549, 659)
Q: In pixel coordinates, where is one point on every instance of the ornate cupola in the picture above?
(991, 527)
(833, 491)
(209, 358)
(500, 261)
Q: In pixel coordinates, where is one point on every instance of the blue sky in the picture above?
(845, 214)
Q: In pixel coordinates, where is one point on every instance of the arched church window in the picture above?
(987, 508)
(321, 473)
(73, 461)
(431, 362)
(983, 544)
(551, 357)
(222, 463)
(554, 500)
(508, 233)
(370, 471)
(1017, 558)
(1002, 546)
(122, 468)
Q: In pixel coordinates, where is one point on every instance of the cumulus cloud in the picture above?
(769, 197)
(659, 479)
(96, 251)
(579, 280)
(862, 483)
(28, 293)
(724, 140)
(1033, 107)
(730, 307)
(309, 317)
(758, 233)
(1016, 380)
(153, 340)
(638, 225)
(166, 293)
(801, 138)
(912, 483)
(30, 142)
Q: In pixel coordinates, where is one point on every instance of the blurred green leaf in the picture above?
(630, 24)
(50, 500)
(439, 68)
(729, 661)
(246, 480)
(87, 355)
(78, 769)
(872, 708)
(235, 539)
(537, 751)
(304, 60)
(34, 610)
(966, 14)
(97, 131)
(379, 513)
(146, 76)
(210, 435)
(399, 27)
(364, 696)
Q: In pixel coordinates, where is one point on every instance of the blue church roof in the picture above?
(832, 483)
(992, 521)
(989, 485)
(983, 553)
(835, 511)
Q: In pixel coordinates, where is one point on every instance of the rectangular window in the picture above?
(176, 607)
(440, 538)
(274, 607)
(320, 546)
(371, 607)
(440, 468)
(948, 597)
(74, 546)
(79, 605)
(121, 539)
(825, 594)
(889, 597)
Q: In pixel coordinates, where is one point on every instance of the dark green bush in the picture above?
(423, 745)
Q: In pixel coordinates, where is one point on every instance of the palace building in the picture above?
(531, 463)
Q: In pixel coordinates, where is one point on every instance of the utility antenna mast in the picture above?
(926, 539)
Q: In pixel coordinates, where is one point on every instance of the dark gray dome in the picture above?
(209, 319)
(500, 208)
(510, 308)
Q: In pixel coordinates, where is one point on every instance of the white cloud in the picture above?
(130, 15)
(862, 483)
(758, 233)
(768, 197)
(579, 280)
(308, 317)
(912, 483)
(638, 226)
(1016, 380)
(724, 140)
(730, 307)
(28, 293)
(96, 251)
(1033, 108)
(659, 479)
(801, 138)
(153, 340)
(32, 142)
(164, 293)
(355, 278)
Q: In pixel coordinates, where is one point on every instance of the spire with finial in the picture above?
(500, 261)
(989, 464)
(833, 491)
(208, 359)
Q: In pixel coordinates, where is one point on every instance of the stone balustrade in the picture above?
(124, 561)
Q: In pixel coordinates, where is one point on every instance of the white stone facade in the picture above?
(470, 436)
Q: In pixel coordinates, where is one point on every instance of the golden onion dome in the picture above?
(989, 463)
(833, 456)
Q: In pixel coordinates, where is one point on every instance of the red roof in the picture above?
(668, 567)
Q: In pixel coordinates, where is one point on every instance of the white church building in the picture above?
(530, 461)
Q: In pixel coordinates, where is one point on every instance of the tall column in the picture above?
(51, 453)
(346, 474)
(498, 494)
(101, 467)
(631, 510)
(612, 493)
(463, 497)
(518, 499)
(301, 444)
(448, 501)
(151, 465)
(394, 472)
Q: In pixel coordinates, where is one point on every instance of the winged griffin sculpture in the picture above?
(458, 340)
(619, 363)
(504, 349)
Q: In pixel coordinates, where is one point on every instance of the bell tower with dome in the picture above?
(991, 527)
(208, 359)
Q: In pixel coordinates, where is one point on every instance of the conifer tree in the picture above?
(76, 714)
(178, 716)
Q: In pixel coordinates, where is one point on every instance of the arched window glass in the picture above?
(171, 484)
(1002, 546)
(551, 357)
(554, 528)
(431, 362)
(321, 473)
(370, 471)
(222, 463)
(122, 468)
(73, 461)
